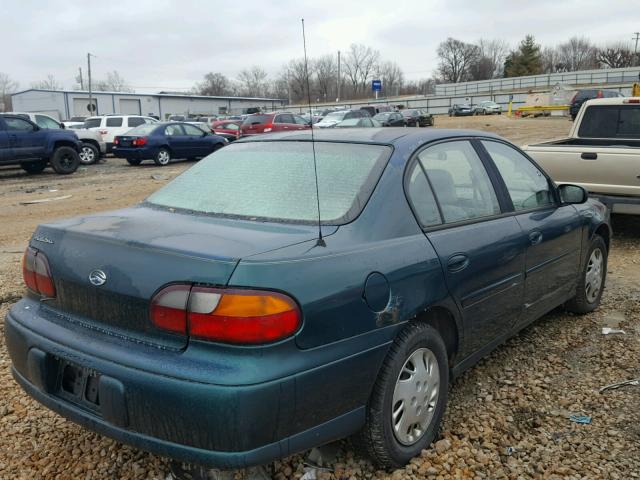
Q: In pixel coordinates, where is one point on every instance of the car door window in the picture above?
(192, 130)
(114, 121)
(299, 120)
(17, 124)
(173, 130)
(230, 126)
(46, 122)
(135, 121)
(527, 185)
(421, 197)
(459, 180)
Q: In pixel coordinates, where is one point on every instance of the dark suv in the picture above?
(24, 143)
(582, 96)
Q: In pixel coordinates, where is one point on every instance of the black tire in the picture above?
(583, 302)
(163, 157)
(89, 154)
(377, 438)
(33, 167)
(134, 161)
(65, 160)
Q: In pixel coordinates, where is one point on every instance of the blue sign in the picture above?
(376, 85)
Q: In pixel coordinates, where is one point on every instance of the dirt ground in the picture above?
(507, 417)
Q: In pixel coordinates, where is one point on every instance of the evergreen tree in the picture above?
(526, 60)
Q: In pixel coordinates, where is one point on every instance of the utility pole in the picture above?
(339, 82)
(81, 82)
(635, 50)
(89, 76)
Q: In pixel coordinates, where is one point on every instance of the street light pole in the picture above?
(89, 77)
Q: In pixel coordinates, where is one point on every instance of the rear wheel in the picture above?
(134, 161)
(592, 278)
(163, 157)
(88, 154)
(409, 398)
(33, 167)
(65, 160)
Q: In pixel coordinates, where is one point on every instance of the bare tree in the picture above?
(326, 72)
(577, 54)
(616, 55)
(49, 83)
(113, 83)
(456, 57)
(297, 78)
(392, 78)
(359, 64)
(214, 84)
(253, 82)
(7, 87)
(493, 52)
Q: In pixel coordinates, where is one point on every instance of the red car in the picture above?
(232, 127)
(273, 122)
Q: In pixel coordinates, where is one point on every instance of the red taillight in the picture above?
(116, 141)
(268, 127)
(139, 142)
(225, 315)
(600, 94)
(631, 100)
(37, 274)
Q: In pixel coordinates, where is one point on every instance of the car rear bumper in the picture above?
(224, 426)
(133, 153)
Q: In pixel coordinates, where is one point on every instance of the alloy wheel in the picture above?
(593, 276)
(163, 157)
(415, 396)
(87, 155)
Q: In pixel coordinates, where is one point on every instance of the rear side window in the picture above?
(114, 121)
(459, 180)
(284, 118)
(135, 121)
(609, 121)
(421, 197)
(173, 130)
(526, 184)
(274, 181)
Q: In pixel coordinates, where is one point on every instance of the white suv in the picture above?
(109, 126)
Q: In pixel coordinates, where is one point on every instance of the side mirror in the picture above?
(572, 194)
(62, 126)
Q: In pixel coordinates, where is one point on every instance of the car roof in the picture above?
(613, 101)
(382, 136)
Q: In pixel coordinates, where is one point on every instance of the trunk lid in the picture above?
(140, 250)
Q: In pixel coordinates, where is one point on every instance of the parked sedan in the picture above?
(364, 122)
(391, 119)
(208, 323)
(488, 108)
(460, 110)
(162, 142)
(417, 118)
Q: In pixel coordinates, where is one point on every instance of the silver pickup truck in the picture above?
(602, 153)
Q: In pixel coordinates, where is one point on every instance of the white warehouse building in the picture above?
(64, 104)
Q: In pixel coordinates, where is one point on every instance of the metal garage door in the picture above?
(81, 107)
(130, 106)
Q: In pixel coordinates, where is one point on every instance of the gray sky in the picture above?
(162, 44)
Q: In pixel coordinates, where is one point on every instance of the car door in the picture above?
(301, 123)
(5, 151)
(283, 122)
(178, 141)
(199, 143)
(396, 120)
(554, 231)
(481, 251)
(26, 139)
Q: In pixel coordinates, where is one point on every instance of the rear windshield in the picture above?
(274, 181)
(92, 122)
(609, 121)
(257, 119)
(144, 129)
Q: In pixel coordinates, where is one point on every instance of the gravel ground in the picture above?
(507, 417)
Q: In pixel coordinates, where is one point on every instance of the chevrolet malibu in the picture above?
(251, 309)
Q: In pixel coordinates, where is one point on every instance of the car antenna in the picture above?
(320, 242)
